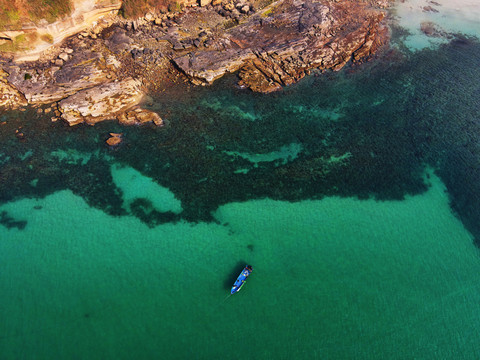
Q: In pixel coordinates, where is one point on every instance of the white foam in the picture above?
(459, 16)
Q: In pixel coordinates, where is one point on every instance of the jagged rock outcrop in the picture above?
(279, 45)
(9, 96)
(114, 100)
(52, 83)
(91, 76)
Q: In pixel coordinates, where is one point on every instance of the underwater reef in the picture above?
(369, 131)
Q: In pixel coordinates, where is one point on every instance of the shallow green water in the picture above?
(354, 195)
(335, 278)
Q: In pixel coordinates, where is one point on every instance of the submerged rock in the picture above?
(114, 139)
(139, 116)
(433, 30)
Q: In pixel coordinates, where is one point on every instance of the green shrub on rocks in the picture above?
(16, 44)
(14, 14)
(137, 8)
(47, 38)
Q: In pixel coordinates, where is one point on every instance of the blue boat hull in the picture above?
(241, 279)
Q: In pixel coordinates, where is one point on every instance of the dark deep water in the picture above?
(355, 196)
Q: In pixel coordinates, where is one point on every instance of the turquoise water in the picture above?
(335, 278)
(459, 16)
(354, 195)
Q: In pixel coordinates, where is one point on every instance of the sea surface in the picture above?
(355, 196)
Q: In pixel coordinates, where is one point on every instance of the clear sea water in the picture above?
(354, 195)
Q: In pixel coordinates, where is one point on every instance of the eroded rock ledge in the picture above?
(280, 44)
(104, 73)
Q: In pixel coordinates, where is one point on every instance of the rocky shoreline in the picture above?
(105, 72)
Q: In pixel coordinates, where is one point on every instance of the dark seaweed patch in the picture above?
(93, 181)
(143, 209)
(10, 223)
(461, 174)
(368, 132)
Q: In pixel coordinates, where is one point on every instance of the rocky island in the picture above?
(95, 64)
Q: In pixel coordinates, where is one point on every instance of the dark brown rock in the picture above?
(433, 30)
(114, 139)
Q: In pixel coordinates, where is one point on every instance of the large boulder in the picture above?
(43, 86)
(101, 102)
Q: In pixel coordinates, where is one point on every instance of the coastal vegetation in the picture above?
(48, 38)
(136, 8)
(14, 13)
(20, 42)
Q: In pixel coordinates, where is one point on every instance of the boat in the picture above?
(241, 279)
